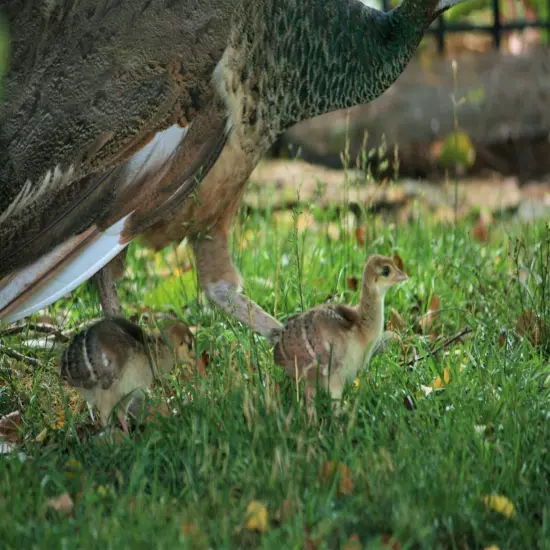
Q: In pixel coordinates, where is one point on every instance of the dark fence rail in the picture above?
(440, 27)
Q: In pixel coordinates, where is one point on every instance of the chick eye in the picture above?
(386, 270)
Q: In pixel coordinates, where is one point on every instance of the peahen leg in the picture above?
(105, 280)
(221, 284)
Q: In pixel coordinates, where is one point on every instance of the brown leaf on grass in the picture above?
(59, 421)
(431, 315)
(41, 437)
(205, 357)
(396, 322)
(502, 339)
(10, 426)
(408, 403)
(353, 543)
(360, 236)
(532, 326)
(330, 469)
(480, 231)
(389, 542)
(162, 410)
(63, 504)
(353, 283)
(398, 261)
(190, 530)
(201, 367)
(286, 510)
(310, 544)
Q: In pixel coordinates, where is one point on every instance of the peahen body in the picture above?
(115, 109)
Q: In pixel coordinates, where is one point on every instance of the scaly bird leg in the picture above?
(221, 284)
(105, 279)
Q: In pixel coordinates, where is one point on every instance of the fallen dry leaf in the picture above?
(10, 426)
(500, 504)
(353, 543)
(353, 283)
(41, 436)
(408, 403)
(431, 315)
(480, 231)
(396, 322)
(286, 510)
(532, 326)
(438, 383)
(190, 530)
(63, 504)
(398, 261)
(256, 516)
(330, 469)
(59, 421)
(390, 542)
(205, 357)
(360, 236)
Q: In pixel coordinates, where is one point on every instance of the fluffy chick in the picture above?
(111, 359)
(338, 338)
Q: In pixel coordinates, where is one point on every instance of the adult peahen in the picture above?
(115, 109)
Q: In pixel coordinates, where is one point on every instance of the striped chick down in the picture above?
(325, 344)
(329, 344)
(112, 359)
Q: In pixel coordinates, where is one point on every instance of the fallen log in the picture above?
(502, 102)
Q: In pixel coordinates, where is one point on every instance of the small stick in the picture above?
(19, 356)
(445, 344)
(44, 328)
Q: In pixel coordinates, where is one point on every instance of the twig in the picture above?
(446, 343)
(19, 356)
(44, 328)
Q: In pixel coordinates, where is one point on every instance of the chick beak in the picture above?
(400, 276)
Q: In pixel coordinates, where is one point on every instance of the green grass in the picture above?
(241, 434)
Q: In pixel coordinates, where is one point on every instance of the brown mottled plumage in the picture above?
(337, 338)
(113, 358)
(116, 110)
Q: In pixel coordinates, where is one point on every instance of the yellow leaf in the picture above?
(356, 382)
(438, 383)
(72, 468)
(59, 421)
(41, 436)
(256, 516)
(500, 504)
(105, 491)
(492, 547)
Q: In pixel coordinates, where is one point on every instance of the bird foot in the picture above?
(226, 296)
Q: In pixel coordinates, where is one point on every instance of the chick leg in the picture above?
(105, 283)
(221, 284)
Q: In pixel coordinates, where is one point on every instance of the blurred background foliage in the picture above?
(3, 52)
